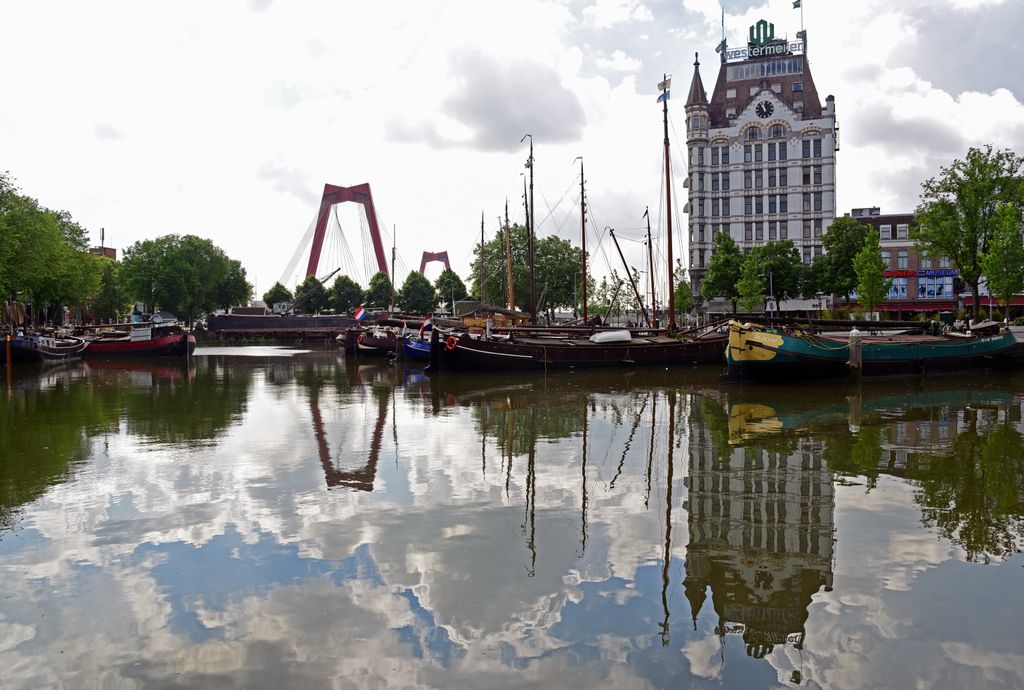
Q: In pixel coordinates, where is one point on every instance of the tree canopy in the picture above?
(110, 303)
(842, 242)
(41, 252)
(872, 285)
(683, 297)
(311, 296)
(185, 274)
(378, 295)
(723, 269)
(450, 287)
(958, 208)
(1003, 263)
(277, 293)
(417, 295)
(345, 294)
(750, 287)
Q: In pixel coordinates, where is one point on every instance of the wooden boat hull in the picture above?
(173, 345)
(464, 353)
(32, 348)
(756, 354)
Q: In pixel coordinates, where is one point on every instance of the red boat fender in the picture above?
(360, 337)
(451, 343)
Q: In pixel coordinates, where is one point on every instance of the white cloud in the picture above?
(607, 13)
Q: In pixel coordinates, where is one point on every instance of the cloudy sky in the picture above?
(225, 119)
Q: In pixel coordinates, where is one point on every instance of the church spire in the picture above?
(697, 95)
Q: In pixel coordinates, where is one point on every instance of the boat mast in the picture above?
(668, 208)
(532, 240)
(483, 291)
(394, 238)
(650, 268)
(508, 261)
(583, 236)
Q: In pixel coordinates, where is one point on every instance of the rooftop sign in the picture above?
(761, 42)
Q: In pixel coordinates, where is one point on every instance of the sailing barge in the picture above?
(758, 352)
(570, 348)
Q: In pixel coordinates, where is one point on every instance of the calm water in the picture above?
(272, 519)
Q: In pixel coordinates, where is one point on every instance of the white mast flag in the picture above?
(665, 85)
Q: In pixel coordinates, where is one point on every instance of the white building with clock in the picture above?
(761, 152)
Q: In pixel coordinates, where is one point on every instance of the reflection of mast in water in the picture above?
(650, 448)
(667, 556)
(531, 495)
(583, 472)
(629, 441)
(362, 478)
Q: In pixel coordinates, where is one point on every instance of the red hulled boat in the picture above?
(144, 339)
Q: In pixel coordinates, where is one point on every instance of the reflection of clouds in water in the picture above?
(234, 565)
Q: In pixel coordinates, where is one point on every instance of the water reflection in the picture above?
(285, 521)
(960, 447)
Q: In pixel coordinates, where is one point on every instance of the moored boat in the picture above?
(144, 339)
(373, 342)
(758, 352)
(416, 349)
(524, 350)
(46, 347)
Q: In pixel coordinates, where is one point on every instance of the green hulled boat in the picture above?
(757, 352)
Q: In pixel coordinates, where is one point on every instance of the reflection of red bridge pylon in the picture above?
(362, 478)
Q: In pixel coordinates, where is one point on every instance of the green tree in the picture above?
(1003, 263)
(723, 270)
(683, 297)
(417, 295)
(842, 242)
(277, 293)
(780, 268)
(872, 285)
(815, 277)
(450, 287)
(110, 303)
(750, 286)
(496, 268)
(310, 296)
(232, 288)
(345, 294)
(956, 216)
(378, 296)
(559, 266)
(185, 274)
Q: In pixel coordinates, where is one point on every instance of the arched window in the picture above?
(778, 131)
(753, 133)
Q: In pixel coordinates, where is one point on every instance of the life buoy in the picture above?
(360, 338)
(451, 343)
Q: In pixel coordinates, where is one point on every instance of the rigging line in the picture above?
(551, 210)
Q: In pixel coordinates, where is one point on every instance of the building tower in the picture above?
(768, 152)
(697, 122)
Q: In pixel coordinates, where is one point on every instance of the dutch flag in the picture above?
(360, 313)
(425, 326)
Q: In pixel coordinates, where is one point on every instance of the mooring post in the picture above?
(856, 346)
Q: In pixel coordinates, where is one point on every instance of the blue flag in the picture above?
(664, 96)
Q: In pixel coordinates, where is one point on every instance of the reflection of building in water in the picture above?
(761, 528)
